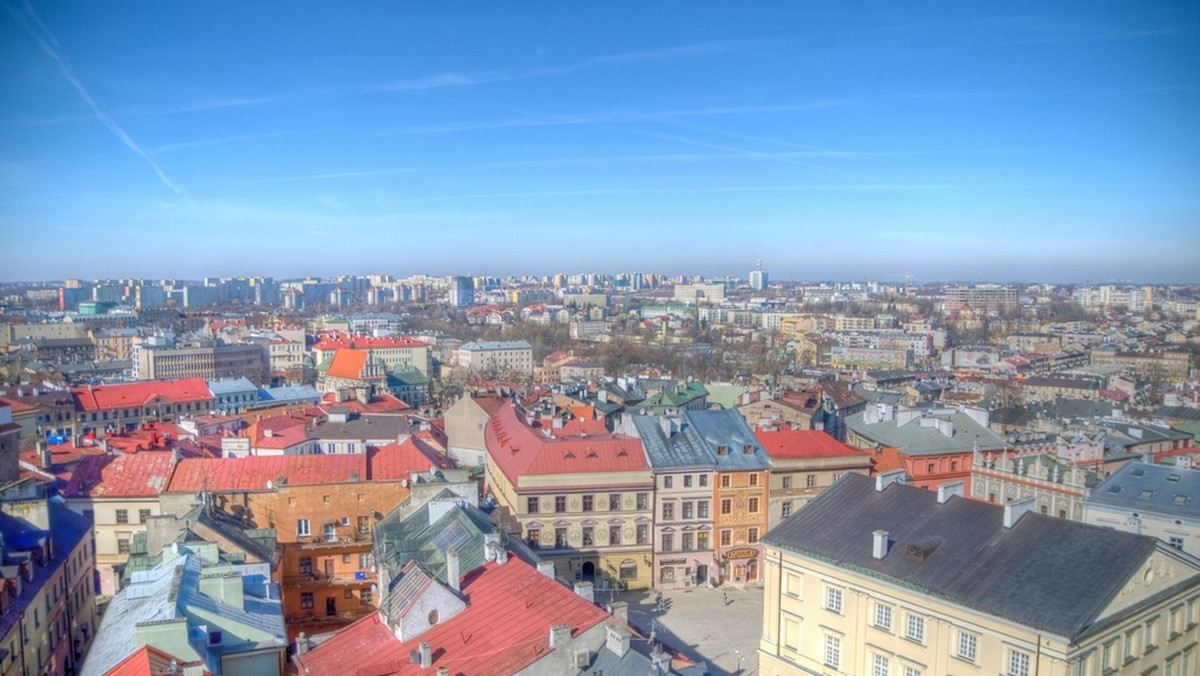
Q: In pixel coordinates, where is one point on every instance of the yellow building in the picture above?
(875, 577)
(582, 495)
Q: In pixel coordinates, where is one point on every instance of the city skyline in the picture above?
(1043, 143)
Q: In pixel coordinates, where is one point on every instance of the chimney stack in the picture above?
(949, 490)
(879, 541)
(452, 570)
(302, 644)
(885, 479)
(560, 636)
(1013, 511)
(426, 654)
(44, 455)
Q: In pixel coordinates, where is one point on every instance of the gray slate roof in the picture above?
(729, 429)
(1145, 487)
(1049, 574)
(914, 439)
(684, 449)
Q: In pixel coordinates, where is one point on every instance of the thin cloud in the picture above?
(46, 41)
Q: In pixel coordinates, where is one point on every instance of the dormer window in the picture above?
(722, 450)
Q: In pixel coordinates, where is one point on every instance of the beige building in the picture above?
(875, 577)
(1057, 488)
(500, 359)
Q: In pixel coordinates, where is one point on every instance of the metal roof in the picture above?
(1145, 487)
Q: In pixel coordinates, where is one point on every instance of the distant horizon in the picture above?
(1050, 142)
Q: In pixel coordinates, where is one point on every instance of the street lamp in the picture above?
(739, 659)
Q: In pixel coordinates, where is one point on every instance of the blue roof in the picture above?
(290, 393)
(1146, 487)
(728, 429)
(683, 449)
(236, 386)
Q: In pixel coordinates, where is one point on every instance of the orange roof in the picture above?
(792, 443)
(504, 628)
(580, 446)
(400, 460)
(110, 397)
(348, 364)
(336, 339)
(194, 475)
(148, 661)
(142, 475)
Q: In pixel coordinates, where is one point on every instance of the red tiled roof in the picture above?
(335, 340)
(109, 397)
(194, 475)
(16, 405)
(142, 475)
(148, 661)
(489, 402)
(380, 403)
(580, 446)
(400, 460)
(504, 628)
(61, 455)
(348, 364)
(791, 443)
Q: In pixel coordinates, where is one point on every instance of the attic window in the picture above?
(1145, 495)
(1180, 499)
(721, 450)
(747, 449)
(1114, 489)
(1138, 472)
(1173, 477)
(920, 550)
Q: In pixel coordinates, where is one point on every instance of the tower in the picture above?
(758, 277)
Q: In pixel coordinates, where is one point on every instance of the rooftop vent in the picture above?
(921, 549)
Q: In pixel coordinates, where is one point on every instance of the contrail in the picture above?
(45, 39)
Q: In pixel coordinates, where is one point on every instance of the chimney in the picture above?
(452, 575)
(1013, 511)
(302, 644)
(617, 640)
(949, 490)
(426, 655)
(546, 568)
(443, 671)
(560, 636)
(885, 479)
(44, 455)
(621, 610)
(879, 542)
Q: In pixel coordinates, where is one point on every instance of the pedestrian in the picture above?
(658, 602)
(724, 598)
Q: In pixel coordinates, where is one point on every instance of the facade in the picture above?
(684, 476)
(391, 351)
(101, 408)
(47, 598)
(233, 396)
(740, 495)
(986, 297)
(118, 494)
(804, 463)
(500, 358)
(581, 494)
(869, 579)
(464, 424)
(462, 292)
(1057, 488)
(1162, 501)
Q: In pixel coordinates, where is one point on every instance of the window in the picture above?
(214, 638)
(810, 481)
(687, 510)
(752, 505)
(122, 545)
(531, 505)
(753, 479)
(1106, 656)
(726, 538)
(534, 537)
(560, 538)
(668, 542)
(879, 666)
(122, 516)
(687, 480)
(966, 646)
(930, 468)
(702, 541)
(560, 503)
(1130, 639)
(883, 617)
(330, 606)
(643, 534)
(687, 542)
(345, 558)
(726, 506)
(143, 515)
(614, 535)
(786, 508)
(722, 450)
(614, 502)
(833, 651)
(668, 511)
(364, 596)
(668, 482)
(702, 509)
(787, 482)
(348, 594)
(629, 570)
(306, 600)
(1177, 542)
(305, 565)
(911, 671)
(1149, 643)
(366, 560)
(752, 536)
(703, 480)
(1018, 664)
(331, 532)
(915, 629)
(302, 529)
(833, 599)
(641, 500)
(588, 503)
(589, 536)
(725, 481)
(364, 524)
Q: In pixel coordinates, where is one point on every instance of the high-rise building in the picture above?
(758, 277)
(462, 291)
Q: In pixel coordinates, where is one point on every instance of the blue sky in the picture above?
(1039, 141)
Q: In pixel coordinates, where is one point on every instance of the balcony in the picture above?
(322, 580)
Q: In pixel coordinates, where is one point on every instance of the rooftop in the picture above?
(1146, 487)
